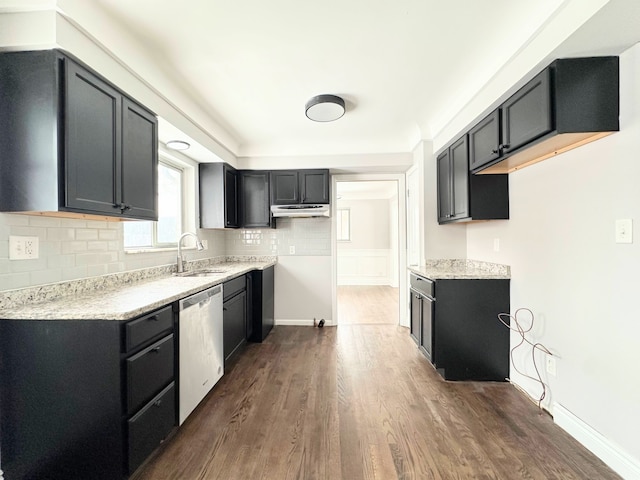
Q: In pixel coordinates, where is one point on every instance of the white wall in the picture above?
(567, 268)
(366, 258)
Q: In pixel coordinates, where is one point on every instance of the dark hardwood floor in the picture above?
(360, 402)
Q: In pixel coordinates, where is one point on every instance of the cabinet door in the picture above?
(254, 204)
(415, 303)
(234, 329)
(460, 178)
(139, 161)
(231, 216)
(314, 186)
(426, 328)
(92, 143)
(527, 114)
(484, 141)
(284, 187)
(444, 187)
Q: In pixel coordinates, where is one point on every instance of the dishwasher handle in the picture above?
(200, 297)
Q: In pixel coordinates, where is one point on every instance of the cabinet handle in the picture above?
(495, 152)
(503, 146)
(155, 350)
(157, 403)
(126, 207)
(154, 318)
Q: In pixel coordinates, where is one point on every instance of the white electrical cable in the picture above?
(536, 346)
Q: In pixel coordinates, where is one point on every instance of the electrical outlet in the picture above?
(292, 250)
(551, 365)
(23, 248)
(205, 244)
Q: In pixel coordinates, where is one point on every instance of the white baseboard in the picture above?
(622, 463)
(301, 323)
(364, 280)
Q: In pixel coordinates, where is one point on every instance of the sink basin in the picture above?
(208, 272)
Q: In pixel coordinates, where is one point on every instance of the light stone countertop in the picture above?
(127, 301)
(461, 269)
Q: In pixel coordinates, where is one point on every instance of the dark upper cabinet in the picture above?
(466, 197)
(453, 182)
(74, 143)
(314, 186)
(285, 189)
(255, 211)
(218, 185)
(572, 102)
(484, 141)
(290, 187)
(527, 114)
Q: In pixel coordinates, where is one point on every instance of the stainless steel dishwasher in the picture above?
(200, 348)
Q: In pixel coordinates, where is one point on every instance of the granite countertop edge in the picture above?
(129, 301)
(462, 269)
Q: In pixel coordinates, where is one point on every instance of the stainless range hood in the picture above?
(317, 210)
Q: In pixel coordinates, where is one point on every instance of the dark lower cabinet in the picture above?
(261, 313)
(468, 340)
(234, 317)
(80, 399)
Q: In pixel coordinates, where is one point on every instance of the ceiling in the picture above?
(404, 67)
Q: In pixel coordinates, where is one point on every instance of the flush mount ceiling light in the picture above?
(325, 108)
(177, 145)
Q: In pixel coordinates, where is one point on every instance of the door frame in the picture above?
(403, 292)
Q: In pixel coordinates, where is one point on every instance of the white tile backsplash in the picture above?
(72, 249)
(309, 236)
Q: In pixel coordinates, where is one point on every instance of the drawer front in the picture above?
(232, 287)
(148, 372)
(143, 329)
(423, 285)
(150, 426)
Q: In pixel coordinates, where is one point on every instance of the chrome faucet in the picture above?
(199, 247)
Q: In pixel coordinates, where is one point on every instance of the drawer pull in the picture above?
(153, 318)
(157, 403)
(155, 350)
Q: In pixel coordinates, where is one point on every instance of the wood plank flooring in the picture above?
(367, 304)
(360, 402)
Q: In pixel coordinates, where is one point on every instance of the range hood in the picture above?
(314, 210)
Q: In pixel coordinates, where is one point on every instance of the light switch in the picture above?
(624, 230)
(23, 248)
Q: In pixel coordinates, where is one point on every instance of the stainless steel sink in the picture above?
(207, 272)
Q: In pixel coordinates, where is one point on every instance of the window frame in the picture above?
(186, 170)
(339, 213)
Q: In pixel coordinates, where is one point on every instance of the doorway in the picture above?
(367, 234)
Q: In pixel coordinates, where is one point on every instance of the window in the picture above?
(166, 231)
(344, 225)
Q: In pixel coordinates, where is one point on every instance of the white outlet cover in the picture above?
(23, 248)
(624, 230)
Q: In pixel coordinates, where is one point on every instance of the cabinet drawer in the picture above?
(148, 372)
(423, 285)
(145, 328)
(232, 287)
(151, 425)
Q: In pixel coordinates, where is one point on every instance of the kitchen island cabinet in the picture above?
(74, 144)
